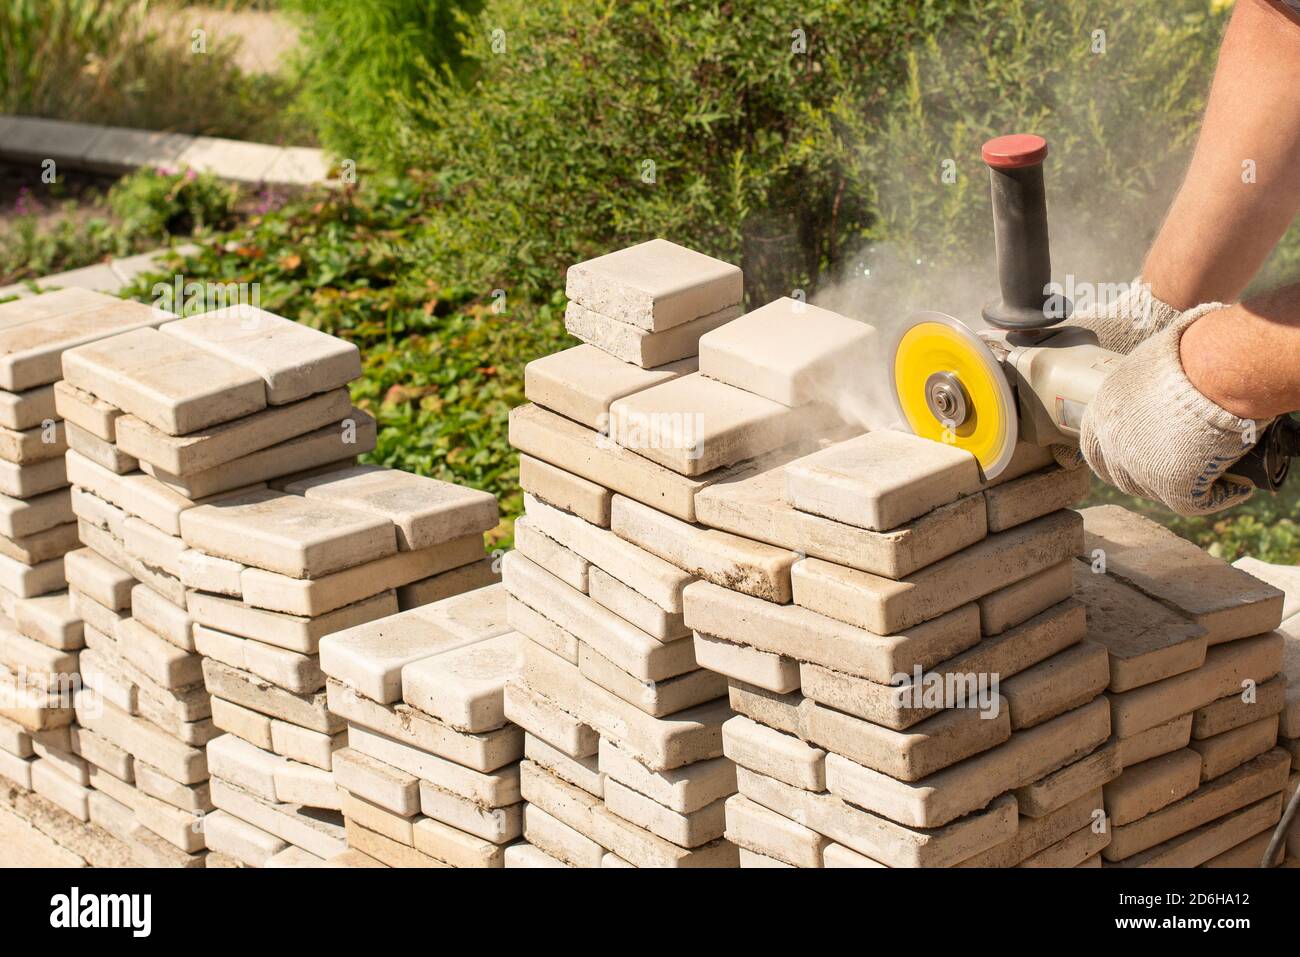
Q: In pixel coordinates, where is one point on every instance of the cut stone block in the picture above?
(580, 772)
(26, 481)
(457, 581)
(750, 501)
(635, 607)
(30, 446)
(41, 546)
(654, 285)
(497, 789)
(1239, 709)
(465, 687)
(1283, 577)
(776, 755)
(23, 410)
(295, 361)
(49, 619)
(792, 352)
(385, 850)
(92, 414)
(887, 607)
(1023, 499)
(837, 855)
(685, 830)
(880, 480)
(426, 512)
(564, 490)
(317, 832)
(549, 722)
(249, 845)
(175, 387)
(730, 561)
(645, 349)
(23, 517)
(581, 383)
(540, 629)
(454, 847)
(497, 825)
(1228, 750)
(1226, 667)
(290, 632)
(1055, 790)
(694, 425)
(218, 444)
(306, 710)
(655, 698)
(754, 828)
(1146, 640)
(1064, 681)
(157, 658)
(683, 790)
(141, 738)
(527, 856)
(97, 450)
(880, 839)
(381, 820)
(289, 534)
(242, 722)
(304, 746)
(1203, 845)
(50, 783)
(1225, 601)
(31, 350)
(559, 840)
(1147, 787)
(99, 578)
(1036, 834)
(746, 664)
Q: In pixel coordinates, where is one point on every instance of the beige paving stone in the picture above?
(205, 449)
(659, 743)
(497, 825)
(195, 798)
(23, 410)
(31, 581)
(90, 508)
(1226, 667)
(153, 547)
(549, 722)
(654, 285)
(306, 746)
(645, 349)
(90, 413)
(316, 597)
(496, 789)
(765, 833)
(886, 606)
(727, 560)
(1057, 789)
(28, 481)
(630, 605)
(837, 855)
(465, 687)
(878, 838)
(105, 675)
(776, 755)
(144, 740)
(160, 616)
(1249, 853)
(227, 834)
(1151, 785)
(158, 658)
(41, 546)
(172, 385)
(782, 712)
(686, 830)
(93, 614)
(560, 841)
(180, 828)
(426, 591)
(18, 770)
(1035, 495)
(635, 845)
(683, 790)
(1227, 602)
(1064, 681)
(587, 500)
(351, 858)
(1161, 739)
(656, 579)
(1240, 708)
(1203, 845)
(746, 664)
(242, 722)
(540, 629)
(1283, 577)
(655, 698)
(49, 619)
(42, 665)
(1146, 640)
(237, 762)
(285, 669)
(328, 449)
(386, 850)
(314, 832)
(791, 352)
(243, 688)
(1289, 726)
(97, 450)
(36, 444)
(370, 657)
(292, 632)
(969, 785)
(1036, 834)
(581, 383)
(553, 439)
(749, 501)
(302, 784)
(880, 480)
(694, 424)
(52, 785)
(454, 847)
(1073, 851)
(23, 517)
(288, 534)
(15, 740)
(70, 765)
(522, 855)
(580, 772)
(294, 857)
(294, 360)
(481, 752)
(1253, 781)
(1223, 752)
(379, 819)
(800, 632)
(31, 350)
(620, 641)
(376, 782)
(425, 512)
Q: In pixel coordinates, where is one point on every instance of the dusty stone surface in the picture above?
(791, 352)
(1207, 844)
(1284, 577)
(294, 360)
(581, 383)
(684, 790)
(24, 481)
(106, 454)
(1022, 600)
(1023, 499)
(655, 698)
(654, 285)
(36, 444)
(291, 632)
(584, 773)
(642, 348)
(257, 694)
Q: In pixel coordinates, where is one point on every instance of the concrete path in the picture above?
(108, 277)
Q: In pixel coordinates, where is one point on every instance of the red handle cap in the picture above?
(1015, 151)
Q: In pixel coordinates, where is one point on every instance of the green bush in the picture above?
(358, 56)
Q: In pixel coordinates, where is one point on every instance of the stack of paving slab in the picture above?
(40, 632)
(430, 774)
(227, 529)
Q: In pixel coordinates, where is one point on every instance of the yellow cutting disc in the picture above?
(974, 408)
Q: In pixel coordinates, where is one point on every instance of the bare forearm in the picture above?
(1222, 224)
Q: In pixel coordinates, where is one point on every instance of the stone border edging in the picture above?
(107, 277)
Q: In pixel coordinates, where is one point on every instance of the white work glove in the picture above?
(1120, 325)
(1128, 320)
(1150, 433)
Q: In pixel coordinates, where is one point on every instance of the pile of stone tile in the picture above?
(228, 529)
(40, 632)
(1196, 695)
(430, 773)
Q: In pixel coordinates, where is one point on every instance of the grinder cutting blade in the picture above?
(949, 386)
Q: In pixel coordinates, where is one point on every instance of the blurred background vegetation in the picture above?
(498, 141)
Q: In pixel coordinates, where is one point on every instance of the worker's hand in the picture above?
(1150, 433)
(1128, 319)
